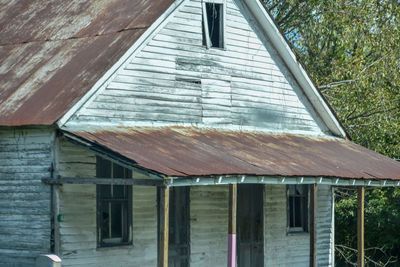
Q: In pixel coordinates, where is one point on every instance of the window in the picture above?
(213, 25)
(297, 208)
(114, 206)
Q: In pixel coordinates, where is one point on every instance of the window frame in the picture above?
(205, 30)
(126, 205)
(304, 212)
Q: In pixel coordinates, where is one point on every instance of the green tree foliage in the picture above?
(351, 48)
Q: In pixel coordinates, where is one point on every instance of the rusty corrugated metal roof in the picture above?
(190, 151)
(53, 52)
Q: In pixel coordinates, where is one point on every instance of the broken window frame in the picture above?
(107, 169)
(205, 24)
(298, 200)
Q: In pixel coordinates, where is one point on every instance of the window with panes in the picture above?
(114, 206)
(297, 208)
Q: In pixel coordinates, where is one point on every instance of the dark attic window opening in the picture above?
(213, 26)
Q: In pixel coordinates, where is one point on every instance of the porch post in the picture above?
(313, 230)
(360, 226)
(164, 227)
(232, 225)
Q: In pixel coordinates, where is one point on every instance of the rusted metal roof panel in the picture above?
(190, 151)
(53, 52)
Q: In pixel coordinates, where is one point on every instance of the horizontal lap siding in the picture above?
(175, 79)
(208, 225)
(325, 226)
(78, 229)
(25, 158)
(281, 249)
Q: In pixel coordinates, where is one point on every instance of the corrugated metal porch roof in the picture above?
(53, 52)
(190, 151)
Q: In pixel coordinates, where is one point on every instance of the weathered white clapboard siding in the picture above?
(25, 158)
(77, 203)
(174, 79)
(285, 249)
(208, 225)
(325, 226)
(281, 248)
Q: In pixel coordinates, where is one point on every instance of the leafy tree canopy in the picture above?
(351, 49)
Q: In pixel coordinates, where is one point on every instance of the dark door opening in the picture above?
(179, 234)
(250, 225)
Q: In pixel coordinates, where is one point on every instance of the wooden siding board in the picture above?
(282, 249)
(255, 80)
(78, 229)
(26, 158)
(208, 225)
(325, 227)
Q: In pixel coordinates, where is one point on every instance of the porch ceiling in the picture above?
(191, 151)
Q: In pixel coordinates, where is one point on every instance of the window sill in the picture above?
(297, 233)
(116, 247)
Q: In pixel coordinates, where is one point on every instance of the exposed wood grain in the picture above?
(232, 225)
(26, 156)
(164, 227)
(245, 84)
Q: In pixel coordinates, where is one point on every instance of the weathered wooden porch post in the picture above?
(313, 228)
(164, 227)
(360, 226)
(232, 225)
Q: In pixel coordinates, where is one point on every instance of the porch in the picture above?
(201, 218)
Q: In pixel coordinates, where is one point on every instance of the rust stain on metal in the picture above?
(190, 151)
(53, 52)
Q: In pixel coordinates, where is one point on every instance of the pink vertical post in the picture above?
(232, 225)
(231, 250)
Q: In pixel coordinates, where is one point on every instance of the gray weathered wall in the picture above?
(209, 225)
(325, 226)
(25, 158)
(78, 229)
(283, 249)
(174, 79)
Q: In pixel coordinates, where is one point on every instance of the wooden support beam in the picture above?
(313, 228)
(232, 225)
(113, 181)
(360, 226)
(164, 227)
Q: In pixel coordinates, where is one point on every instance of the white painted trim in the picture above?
(102, 82)
(98, 125)
(284, 50)
(252, 179)
(205, 22)
(215, 1)
(205, 25)
(332, 243)
(224, 27)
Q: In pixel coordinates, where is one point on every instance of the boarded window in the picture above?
(114, 206)
(297, 208)
(213, 25)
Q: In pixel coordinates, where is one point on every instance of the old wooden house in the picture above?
(137, 133)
